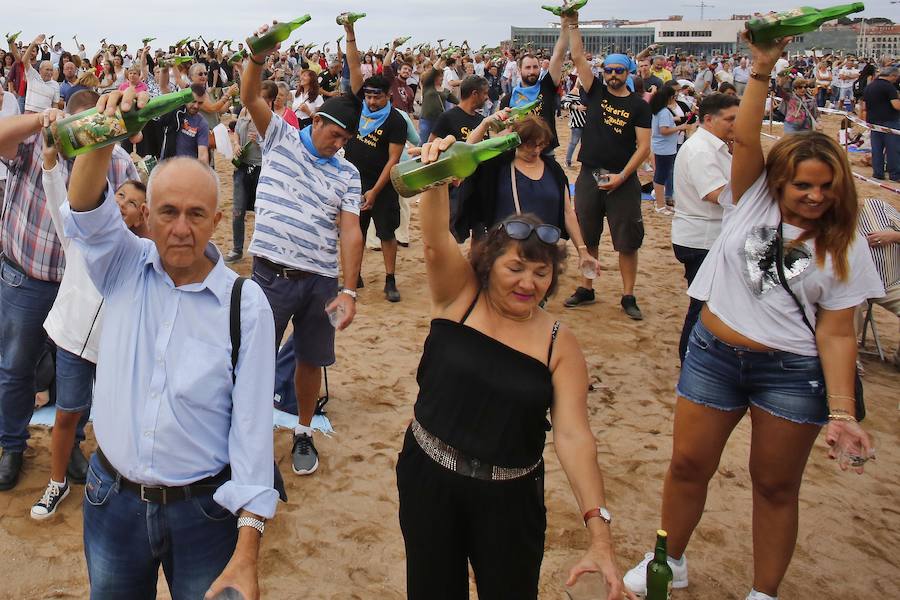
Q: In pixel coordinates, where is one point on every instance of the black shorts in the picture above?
(385, 212)
(621, 207)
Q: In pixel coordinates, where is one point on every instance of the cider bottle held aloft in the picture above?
(146, 41)
(277, 33)
(237, 57)
(769, 27)
(659, 573)
(348, 18)
(90, 129)
(568, 7)
(459, 161)
(515, 114)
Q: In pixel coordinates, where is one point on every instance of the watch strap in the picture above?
(349, 292)
(597, 513)
(759, 76)
(256, 524)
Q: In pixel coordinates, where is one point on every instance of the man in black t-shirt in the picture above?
(534, 87)
(614, 144)
(328, 80)
(882, 104)
(374, 150)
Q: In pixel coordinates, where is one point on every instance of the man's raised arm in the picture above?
(582, 66)
(559, 55)
(353, 62)
(251, 76)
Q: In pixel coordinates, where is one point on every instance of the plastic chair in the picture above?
(870, 323)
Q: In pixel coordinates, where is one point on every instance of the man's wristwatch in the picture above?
(600, 512)
(256, 524)
(349, 292)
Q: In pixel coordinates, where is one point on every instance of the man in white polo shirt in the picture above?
(702, 169)
(307, 202)
(43, 90)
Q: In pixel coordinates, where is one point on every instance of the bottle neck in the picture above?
(660, 554)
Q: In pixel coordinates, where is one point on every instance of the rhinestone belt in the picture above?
(450, 458)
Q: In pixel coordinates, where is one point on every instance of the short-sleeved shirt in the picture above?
(67, 90)
(327, 81)
(193, 132)
(402, 96)
(298, 201)
(663, 145)
(740, 284)
(370, 153)
(878, 96)
(547, 107)
(456, 122)
(652, 81)
(703, 165)
(609, 139)
(41, 94)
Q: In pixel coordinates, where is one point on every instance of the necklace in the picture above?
(510, 317)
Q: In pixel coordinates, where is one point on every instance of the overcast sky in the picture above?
(479, 21)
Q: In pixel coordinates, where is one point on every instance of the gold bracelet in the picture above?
(582, 247)
(841, 417)
(841, 397)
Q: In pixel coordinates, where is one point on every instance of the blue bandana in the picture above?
(370, 121)
(625, 61)
(521, 96)
(306, 140)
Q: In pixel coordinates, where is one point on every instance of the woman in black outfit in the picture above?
(471, 473)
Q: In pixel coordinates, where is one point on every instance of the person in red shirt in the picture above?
(282, 105)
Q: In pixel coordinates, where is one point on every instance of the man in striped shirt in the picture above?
(307, 201)
(879, 222)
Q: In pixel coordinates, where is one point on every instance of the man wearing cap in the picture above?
(307, 201)
(615, 142)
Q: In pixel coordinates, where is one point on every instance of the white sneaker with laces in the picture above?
(754, 595)
(636, 578)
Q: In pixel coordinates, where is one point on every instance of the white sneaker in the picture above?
(636, 578)
(754, 595)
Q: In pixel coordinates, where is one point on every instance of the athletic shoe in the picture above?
(581, 297)
(49, 502)
(664, 210)
(629, 303)
(305, 457)
(233, 256)
(636, 579)
(390, 290)
(754, 595)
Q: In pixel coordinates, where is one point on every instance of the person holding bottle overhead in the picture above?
(775, 337)
(473, 452)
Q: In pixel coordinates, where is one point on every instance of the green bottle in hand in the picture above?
(568, 7)
(277, 33)
(770, 27)
(659, 573)
(458, 162)
(347, 18)
(515, 114)
(90, 129)
(237, 57)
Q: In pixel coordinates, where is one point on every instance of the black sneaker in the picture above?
(305, 457)
(234, 256)
(629, 303)
(76, 472)
(581, 297)
(49, 502)
(390, 290)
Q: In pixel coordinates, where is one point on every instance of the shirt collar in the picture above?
(306, 139)
(712, 139)
(217, 280)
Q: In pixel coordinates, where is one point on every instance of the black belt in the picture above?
(160, 494)
(283, 271)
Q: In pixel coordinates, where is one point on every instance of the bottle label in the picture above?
(92, 129)
(774, 18)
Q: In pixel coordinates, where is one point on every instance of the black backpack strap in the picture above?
(235, 324)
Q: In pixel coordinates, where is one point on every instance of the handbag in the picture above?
(779, 265)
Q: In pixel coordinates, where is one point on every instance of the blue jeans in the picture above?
(691, 258)
(74, 387)
(24, 305)
(573, 142)
(886, 151)
(127, 539)
(425, 127)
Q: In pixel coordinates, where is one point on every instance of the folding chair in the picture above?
(870, 322)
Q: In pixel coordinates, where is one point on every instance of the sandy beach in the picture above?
(339, 537)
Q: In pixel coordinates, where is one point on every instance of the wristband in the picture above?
(759, 76)
(256, 62)
(600, 512)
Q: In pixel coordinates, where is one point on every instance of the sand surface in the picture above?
(339, 538)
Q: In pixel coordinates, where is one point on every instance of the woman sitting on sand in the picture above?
(471, 474)
(755, 348)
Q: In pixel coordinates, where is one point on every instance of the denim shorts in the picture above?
(74, 382)
(726, 377)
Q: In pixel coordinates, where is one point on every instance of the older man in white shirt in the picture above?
(43, 91)
(702, 169)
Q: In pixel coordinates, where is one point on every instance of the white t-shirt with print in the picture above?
(739, 280)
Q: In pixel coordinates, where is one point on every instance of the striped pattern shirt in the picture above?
(878, 215)
(299, 199)
(27, 235)
(572, 101)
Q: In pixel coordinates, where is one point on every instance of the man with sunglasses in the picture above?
(615, 142)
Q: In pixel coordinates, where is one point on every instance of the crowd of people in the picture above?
(173, 354)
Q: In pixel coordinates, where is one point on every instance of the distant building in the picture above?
(878, 41)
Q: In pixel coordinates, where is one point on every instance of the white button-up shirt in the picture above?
(165, 409)
(703, 165)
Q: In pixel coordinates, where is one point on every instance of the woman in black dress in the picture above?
(471, 473)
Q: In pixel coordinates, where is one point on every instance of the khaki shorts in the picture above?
(621, 207)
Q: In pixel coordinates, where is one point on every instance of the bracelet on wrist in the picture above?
(841, 397)
(842, 417)
(256, 62)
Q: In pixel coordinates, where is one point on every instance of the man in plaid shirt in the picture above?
(31, 267)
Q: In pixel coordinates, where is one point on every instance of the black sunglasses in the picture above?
(520, 230)
(616, 70)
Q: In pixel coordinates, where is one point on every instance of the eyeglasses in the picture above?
(520, 230)
(616, 70)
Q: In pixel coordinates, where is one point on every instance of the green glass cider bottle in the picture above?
(146, 41)
(238, 159)
(659, 573)
(90, 129)
(277, 33)
(567, 7)
(402, 40)
(12, 38)
(766, 28)
(237, 57)
(515, 114)
(348, 17)
(459, 161)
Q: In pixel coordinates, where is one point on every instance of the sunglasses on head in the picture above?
(616, 70)
(520, 230)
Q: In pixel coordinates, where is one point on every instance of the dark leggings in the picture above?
(449, 520)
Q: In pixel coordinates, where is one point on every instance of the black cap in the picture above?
(342, 110)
